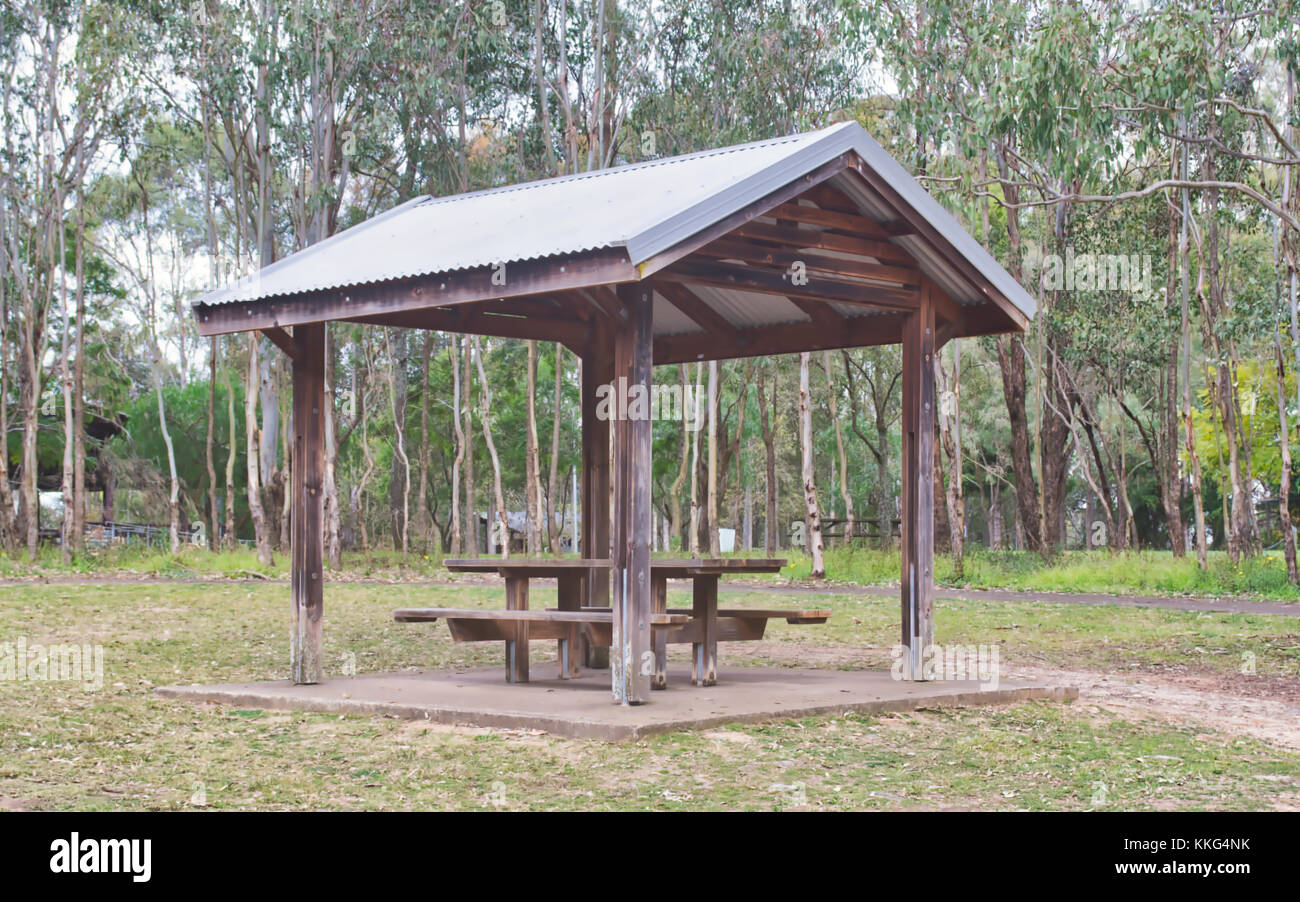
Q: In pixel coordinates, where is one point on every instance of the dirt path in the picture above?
(1261, 707)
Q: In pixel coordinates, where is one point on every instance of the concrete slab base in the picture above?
(583, 708)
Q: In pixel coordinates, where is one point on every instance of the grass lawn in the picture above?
(122, 747)
(1133, 573)
(1136, 573)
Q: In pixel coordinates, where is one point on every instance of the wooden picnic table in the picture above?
(702, 625)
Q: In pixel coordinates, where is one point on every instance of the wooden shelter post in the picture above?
(597, 370)
(307, 510)
(917, 584)
(631, 657)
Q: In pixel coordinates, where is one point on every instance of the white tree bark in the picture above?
(812, 516)
(485, 406)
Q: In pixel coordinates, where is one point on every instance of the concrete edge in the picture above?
(569, 728)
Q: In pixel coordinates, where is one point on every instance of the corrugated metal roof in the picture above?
(644, 208)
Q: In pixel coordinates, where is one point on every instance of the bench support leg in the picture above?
(517, 648)
(571, 588)
(658, 639)
(704, 610)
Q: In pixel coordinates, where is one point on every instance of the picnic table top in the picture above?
(667, 567)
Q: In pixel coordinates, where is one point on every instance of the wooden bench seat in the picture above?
(517, 627)
(730, 625)
(579, 627)
(583, 615)
(809, 616)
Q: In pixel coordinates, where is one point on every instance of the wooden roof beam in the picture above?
(941, 245)
(283, 340)
(783, 338)
(784, 259)
(701, 314)
(855, 223)
(606, 302)
(766, 281)
(820, 313)
(826, 241)
(573, 334)
(812, 180)
(607, 266)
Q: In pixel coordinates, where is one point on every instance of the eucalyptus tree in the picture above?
(59, 99)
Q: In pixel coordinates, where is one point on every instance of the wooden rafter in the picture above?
(853, 223)
(826, 241)
(812, 180)
(767, 281)
(820, 313)
(942, 245)
(571, 333)
(785, 258)
(283, 340)
(606, 302)
(785, 338)
(831, 198)
(701, 314)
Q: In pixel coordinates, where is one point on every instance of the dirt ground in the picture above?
(1262, 707)
(1265, 708)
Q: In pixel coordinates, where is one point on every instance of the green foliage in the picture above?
(1090, 572)
(187, 420)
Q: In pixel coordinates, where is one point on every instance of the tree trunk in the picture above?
(1011, 363)
(845, 494)
(254, 455)
(268, 394)
(995, 515)
(78, 388)
(471, 512)
(714, 549)
(453, 347)
(1185, 354)
(398, 489)
(284, 480)
(173, 497)
(1165, 460)
(31, 423)
(8, 538)
(768, 426)
(1241, 536)
(65, 378)
(1284, 491)
(554, 529)
(748, 530)
(950, 436)
(485, 417)
(332, 510)
(694, 538)
(359, 491)
(214, 536)
(532, 463)
(812, 517)
(401, 532)
(689, 418)
(231, 539)
(422, 517)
